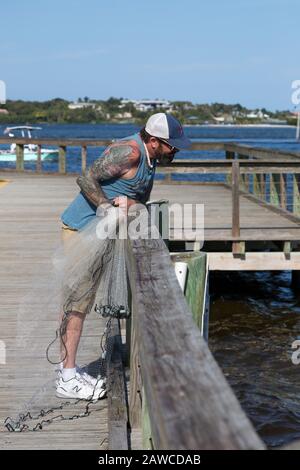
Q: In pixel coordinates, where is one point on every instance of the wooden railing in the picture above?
(238, 173)
(61, 144)
(178, 393)
(229, 149)
(244, 166)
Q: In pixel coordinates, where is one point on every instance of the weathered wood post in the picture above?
(229, 156)
(135, 394)
(117, 412)
(39, 159)
(159, 216)
(83, 159)
(168, 178)
(20, 157)
(159, 213)
(62, 159)
(237, 247)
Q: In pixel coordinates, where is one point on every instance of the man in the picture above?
(125, 172)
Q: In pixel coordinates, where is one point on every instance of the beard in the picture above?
(164, 159)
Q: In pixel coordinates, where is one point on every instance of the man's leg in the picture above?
(71, 339)
(72, 382)
(74, 323)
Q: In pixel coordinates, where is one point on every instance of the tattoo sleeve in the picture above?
(113, 164)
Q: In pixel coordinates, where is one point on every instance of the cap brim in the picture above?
(182, 143)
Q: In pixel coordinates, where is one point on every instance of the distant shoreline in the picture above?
(214, 126)
(222, 126)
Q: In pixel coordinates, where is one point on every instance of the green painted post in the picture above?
(195, 287)
(275, 189)
(296, 194)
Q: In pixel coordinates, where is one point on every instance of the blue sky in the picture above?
(230, 51)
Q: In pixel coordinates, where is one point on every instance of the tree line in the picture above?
(113, 110)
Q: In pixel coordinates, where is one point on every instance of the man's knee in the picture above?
(81, 316)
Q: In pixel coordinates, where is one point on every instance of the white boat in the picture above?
(30, 150)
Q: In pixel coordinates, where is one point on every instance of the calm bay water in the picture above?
(255, 316)
(254, 319)
(275, 137)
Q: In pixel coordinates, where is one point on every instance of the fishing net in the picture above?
(94, 267)
(88, 269)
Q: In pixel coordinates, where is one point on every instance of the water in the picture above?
(272, 137)
(255, 317)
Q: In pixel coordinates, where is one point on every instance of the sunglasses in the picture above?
(172, 149)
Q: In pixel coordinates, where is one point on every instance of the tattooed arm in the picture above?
(117, 160)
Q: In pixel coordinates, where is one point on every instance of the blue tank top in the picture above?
(81, 211)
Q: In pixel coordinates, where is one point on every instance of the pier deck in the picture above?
(29, 233)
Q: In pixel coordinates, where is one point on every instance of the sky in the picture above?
(230, 51)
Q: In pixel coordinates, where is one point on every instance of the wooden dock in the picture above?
(29, 233)
(242, 231)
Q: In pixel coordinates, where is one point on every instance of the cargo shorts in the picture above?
(83, 299)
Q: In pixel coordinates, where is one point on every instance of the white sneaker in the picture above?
(77, 387)
(99, 384)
